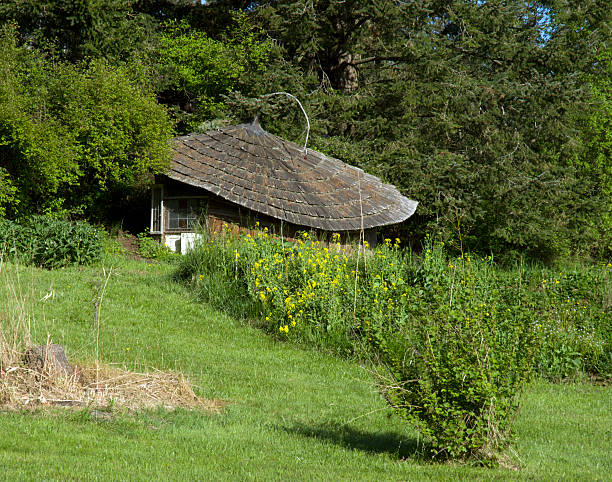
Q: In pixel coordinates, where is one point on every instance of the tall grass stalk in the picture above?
(99, 291)
(15, 319)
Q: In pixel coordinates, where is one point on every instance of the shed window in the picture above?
(182, 213)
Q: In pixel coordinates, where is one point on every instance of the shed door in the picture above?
(156, 209)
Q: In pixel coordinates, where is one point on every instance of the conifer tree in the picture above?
(466, 106)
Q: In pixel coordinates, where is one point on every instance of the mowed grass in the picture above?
(291, 413)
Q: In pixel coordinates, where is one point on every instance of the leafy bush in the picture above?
(152, 249)
(73, 137)
(456, 363)
(51, 243)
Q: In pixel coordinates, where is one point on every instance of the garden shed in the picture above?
(243, 175)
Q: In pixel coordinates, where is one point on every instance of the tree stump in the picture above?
(48, 358)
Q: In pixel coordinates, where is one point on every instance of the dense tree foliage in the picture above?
(466, 106)
(198, 71)
(494, 115)
(595, 161)
(71, 134)
(79, 29)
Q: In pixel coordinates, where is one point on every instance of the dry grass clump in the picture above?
(94, 385)
(97, 386)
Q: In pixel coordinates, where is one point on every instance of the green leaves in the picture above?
(51, 243)
(69, 134)
(201, 70)
(457, 367)
(7, 192)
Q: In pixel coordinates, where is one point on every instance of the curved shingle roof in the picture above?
(248, 166)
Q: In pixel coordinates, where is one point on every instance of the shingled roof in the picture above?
(250, 167)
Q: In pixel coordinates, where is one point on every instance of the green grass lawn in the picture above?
(292, 413)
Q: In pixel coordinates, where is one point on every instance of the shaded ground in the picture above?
(129, 243)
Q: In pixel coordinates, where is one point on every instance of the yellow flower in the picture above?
(262, 295)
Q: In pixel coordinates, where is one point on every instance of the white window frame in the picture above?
(178, 198)
(161, 208)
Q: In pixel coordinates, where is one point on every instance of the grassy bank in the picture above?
(291, 412)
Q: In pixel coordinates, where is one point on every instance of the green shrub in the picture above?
(153, 249)
(51, 243)
(456, 364)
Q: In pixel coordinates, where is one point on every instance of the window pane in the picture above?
(182, 213)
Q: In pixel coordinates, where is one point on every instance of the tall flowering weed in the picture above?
(338, 296)
(453, 339)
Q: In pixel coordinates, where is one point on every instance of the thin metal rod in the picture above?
(301, 107)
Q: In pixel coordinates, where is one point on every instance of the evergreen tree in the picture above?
(466, 106)
(75, 30)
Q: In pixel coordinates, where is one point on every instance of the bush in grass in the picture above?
(441, 329)
(51, 243)
(456, 364)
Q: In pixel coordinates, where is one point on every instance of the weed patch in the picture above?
(453, 340)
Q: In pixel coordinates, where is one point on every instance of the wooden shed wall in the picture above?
(217, 212)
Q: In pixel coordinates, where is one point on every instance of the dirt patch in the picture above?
(99, 386)
(129, 243)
